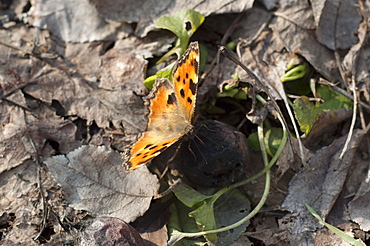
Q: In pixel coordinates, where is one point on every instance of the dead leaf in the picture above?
(106, 104)
(94, 179)
(146, 13)
(152, 226)
(301, 41)
(319, 187)
(24, 136)
(359, 208)
(300, 13)
(337, 22)
(63, 19)
(267, 231)
(324, 128)
(355, 61)
(12, 137)
(16, 184)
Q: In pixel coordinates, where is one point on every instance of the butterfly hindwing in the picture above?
(163, 111)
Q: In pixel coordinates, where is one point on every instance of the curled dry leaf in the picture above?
(94, 180)
(323, 129)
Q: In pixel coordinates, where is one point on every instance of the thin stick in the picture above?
(257, 82)
(350, 132)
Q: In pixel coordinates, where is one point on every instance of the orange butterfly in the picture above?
(171, 109)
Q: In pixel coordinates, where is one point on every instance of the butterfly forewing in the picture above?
(185, 80)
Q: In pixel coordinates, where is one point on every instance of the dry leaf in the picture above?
(152, 226)
(337, 22)
(94, 179)
(110, 103)
(319, 187)
(76, 22)
(19, 199)
(146, 13)
(359, 208)
(324, 128)
(301, 41)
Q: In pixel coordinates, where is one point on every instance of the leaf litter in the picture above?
(74, 86)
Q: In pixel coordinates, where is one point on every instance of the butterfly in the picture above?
(171, 110)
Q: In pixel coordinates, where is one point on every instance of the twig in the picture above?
(216, 59)
(344, 93)
(350, 132)
(265, 87)
(43, 199)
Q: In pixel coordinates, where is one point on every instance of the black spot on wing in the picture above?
(187, 75)
(171, 98)
(182, 93)
(195, 64)
(160, 150)
(148, 146)
(178, 78)
(193, 87)
(153, 147)
(189, 100)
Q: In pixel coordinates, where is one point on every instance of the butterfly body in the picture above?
(171, 109)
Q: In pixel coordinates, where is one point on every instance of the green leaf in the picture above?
(272, 139)
(253, 141)
(189, 196)
(202, 208)
(181, 221)
(148, 82)
(228, 93)
(210, 212)
(295, 73)
(230, 208)
(233, 89)
(205, 219)
(332, 99)
(306, 112)
(183, 24)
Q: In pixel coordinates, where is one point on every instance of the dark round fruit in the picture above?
(214, 155)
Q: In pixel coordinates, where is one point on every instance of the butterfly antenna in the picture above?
(196, 145)
(205, 135)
